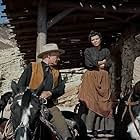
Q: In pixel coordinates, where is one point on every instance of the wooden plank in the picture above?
(15, 14)
(32, 33)
(26, 41)
(71, 59)
(24, 30)
(76, 32)
(75, 27)
(80, 17)
(96, 7)
(27, 46)
(23, 43)
(72, 49)
(23, 21)
(68, 57)
(59, 17)
(28, 37)
(132, 17)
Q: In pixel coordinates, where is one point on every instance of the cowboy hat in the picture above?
(50, 47)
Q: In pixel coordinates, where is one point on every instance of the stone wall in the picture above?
(130, 50)
(11, 61)
(115, 70)
(73, 80)
(10, 67)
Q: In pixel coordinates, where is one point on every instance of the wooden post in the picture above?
(41, 26)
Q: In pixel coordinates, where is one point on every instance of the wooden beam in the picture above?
(28, 49)
(15, 14)
(91, 17)
(67, 49)
(57, 40)
(83, 37)
(71, 57)
(54, 34)
(76, 60)
(28, 37)
(135, 10)
(23, 21)
(112, 17)
(73, 32)
(59, 17)
(70, 44)
(27, 52)
(88, 26)
(32, 33)
(132, 17)
(96, 8)
(64, 58)
(74, 49)
(24, 30)
(27, 46)
(27, 42)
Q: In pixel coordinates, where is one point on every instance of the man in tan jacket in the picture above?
(46, 71)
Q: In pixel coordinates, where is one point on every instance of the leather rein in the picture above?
(128, 105)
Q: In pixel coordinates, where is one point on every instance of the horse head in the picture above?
(25, 112)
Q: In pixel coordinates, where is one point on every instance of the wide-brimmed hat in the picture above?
(50, 47)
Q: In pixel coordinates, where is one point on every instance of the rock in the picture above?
(70, 98)
(11, 61)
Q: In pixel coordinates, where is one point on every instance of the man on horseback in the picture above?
(44, 75)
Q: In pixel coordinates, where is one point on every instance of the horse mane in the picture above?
(26, 99)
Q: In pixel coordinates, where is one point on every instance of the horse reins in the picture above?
(8, 131)
(128, 105)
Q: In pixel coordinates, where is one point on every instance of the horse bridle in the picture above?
(128, 105)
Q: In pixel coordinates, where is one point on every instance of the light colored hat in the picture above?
(50, 47)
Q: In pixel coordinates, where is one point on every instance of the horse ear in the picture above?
(14, 87)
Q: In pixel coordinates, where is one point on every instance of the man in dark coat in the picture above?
(53, 86)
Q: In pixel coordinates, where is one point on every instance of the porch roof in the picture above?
(69, 23)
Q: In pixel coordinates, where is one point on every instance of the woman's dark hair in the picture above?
(93, 33)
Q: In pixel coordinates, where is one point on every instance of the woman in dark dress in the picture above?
(94, 91)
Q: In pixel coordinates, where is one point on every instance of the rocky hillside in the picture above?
(11, 62)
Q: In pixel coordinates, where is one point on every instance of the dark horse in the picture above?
(127, 118)
(30, 116)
